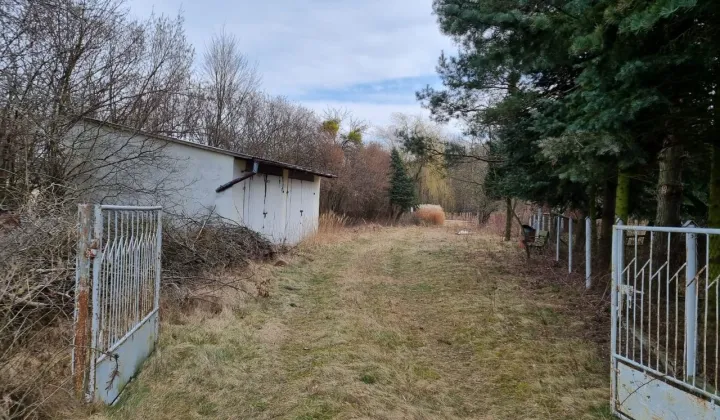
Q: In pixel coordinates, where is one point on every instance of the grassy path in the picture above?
(395, 324)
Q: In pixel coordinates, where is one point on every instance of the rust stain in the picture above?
(82, 300)
(81, 339)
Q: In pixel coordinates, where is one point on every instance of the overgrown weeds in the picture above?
(37, 279)
(37, 282)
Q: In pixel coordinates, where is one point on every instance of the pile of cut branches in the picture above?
(37, 280)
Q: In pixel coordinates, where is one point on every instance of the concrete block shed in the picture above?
(122, 165)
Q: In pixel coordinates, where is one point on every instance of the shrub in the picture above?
(430, 214)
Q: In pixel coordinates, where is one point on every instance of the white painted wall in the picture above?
(183, 179)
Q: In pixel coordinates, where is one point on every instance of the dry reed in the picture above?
(430, 214)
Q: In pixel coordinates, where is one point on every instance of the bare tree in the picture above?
(61, 60)
(230, 79)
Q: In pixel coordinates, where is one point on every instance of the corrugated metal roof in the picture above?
(211, 148)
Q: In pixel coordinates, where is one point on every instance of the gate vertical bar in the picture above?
(557, 239)
(617, 262)
(570, 243)
(588, 250)
(691, 293)
(96, 265)
(82, 298)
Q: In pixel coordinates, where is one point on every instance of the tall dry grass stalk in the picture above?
(331, 227)
(430, 214)
(332, 222)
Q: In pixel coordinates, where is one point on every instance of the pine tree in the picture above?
(402, 189)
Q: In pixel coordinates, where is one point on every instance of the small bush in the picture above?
(430, 214)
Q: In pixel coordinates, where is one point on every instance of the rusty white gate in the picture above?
(665, 321)
(117, 296)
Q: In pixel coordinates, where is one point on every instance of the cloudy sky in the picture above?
(367, 56)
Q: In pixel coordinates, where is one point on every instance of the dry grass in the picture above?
(429, 214)
(334, 228)
(395, 323)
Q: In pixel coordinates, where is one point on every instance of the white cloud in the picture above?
(306, 45)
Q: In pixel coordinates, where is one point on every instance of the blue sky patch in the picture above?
(391, 91)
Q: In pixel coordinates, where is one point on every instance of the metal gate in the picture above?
(665, 321)
(117, 296)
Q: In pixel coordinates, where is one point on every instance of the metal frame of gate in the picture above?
(116, 314)
(665, 323)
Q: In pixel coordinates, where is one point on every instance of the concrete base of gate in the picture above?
(641, 396)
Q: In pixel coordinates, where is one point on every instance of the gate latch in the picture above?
(92, 251)
(628, 291)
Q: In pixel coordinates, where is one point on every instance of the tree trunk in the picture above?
(608, 219)
(592, 213)
(622, 196)
(669, 196)
(714, 211)
(508, 218)
(579, 239)
(670, 187)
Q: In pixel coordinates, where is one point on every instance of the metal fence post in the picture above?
(617, 263)
(537, 221)
(557, 238)
(691, 294)
(588, 250)
(82, 301)
(158, 270)
(570, 243)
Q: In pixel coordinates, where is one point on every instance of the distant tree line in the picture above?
(608, 107)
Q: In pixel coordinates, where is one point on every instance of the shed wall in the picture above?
(183, 179)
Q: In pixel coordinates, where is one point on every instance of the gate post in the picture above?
(617, 263)
(95, 253)
(82, 301)
(691, 295)
(158, 270)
